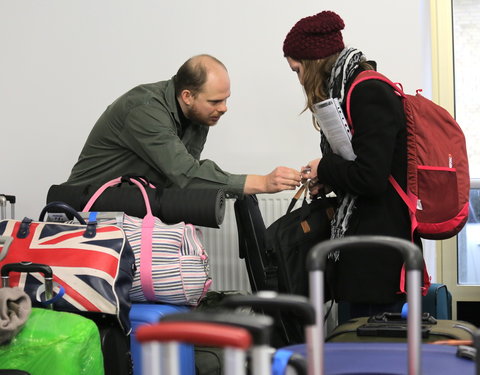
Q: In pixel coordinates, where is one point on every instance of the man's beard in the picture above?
(196, 117)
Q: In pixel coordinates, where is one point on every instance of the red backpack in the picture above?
(438, 182)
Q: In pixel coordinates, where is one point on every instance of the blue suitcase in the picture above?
(438, 302)
(389, 358)
(143, 313)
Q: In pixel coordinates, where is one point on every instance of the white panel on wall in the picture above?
(63, 62)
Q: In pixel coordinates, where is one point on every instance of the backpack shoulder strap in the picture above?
(366, 75)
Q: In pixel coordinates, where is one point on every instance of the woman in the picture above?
(369, 205)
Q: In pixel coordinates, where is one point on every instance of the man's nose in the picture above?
(222, 107)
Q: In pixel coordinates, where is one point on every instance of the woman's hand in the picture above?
(309, 171)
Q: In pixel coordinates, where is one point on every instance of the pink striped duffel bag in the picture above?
(172, 264)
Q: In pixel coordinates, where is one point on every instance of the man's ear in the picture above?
(187, 97)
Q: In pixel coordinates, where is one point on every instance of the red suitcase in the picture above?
(164, 337)
(259, 326)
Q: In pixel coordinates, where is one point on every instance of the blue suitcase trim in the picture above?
(141, 313)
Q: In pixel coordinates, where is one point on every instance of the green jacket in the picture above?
(142, 133)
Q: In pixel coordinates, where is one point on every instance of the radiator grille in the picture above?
(226, 268)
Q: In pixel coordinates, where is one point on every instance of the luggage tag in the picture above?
(106, 217)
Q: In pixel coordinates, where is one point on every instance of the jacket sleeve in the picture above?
(377, 122)
(151, 134)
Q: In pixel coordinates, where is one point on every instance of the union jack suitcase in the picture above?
(94, 264)
(411, 358)
(160, 344)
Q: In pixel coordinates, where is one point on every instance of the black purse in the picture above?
(291, 237)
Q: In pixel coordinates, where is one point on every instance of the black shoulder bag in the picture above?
(292, 236)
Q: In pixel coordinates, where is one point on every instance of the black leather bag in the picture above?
(291, 237)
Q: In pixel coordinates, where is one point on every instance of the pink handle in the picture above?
(148, 223)
(364, 76)
(114, 182)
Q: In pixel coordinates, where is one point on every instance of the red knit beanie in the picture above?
(315, 37)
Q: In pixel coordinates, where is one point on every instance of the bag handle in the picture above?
(297, 196)
(148, 223)
(90, 230)
(117, 181)
(65, 208)
(364, 76)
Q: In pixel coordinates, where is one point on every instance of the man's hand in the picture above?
(281, 178)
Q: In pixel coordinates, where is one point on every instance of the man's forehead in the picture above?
(217, 87)
(216, 95)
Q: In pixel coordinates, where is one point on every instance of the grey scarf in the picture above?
(15, 308)
(342, 71)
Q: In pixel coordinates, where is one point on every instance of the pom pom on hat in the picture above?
(315, 37)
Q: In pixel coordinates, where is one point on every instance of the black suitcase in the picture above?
(273, 254)
(262, 267)
(117, 358)
(391, 327)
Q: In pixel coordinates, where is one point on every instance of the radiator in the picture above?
(227, 270)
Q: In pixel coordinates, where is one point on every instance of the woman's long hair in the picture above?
(316, 75)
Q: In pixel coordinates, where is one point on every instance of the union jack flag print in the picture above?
(96, 272)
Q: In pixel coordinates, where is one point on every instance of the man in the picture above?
(158, 130)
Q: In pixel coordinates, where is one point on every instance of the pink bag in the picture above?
(172, 262)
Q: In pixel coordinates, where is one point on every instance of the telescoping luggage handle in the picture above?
(167, 335)
(316, 265)
(271, 303)
(259, 326)
(29, 267)
(3, 206)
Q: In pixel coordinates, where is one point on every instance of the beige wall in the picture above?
(64, 61)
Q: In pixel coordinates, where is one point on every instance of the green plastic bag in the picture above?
(55, 343)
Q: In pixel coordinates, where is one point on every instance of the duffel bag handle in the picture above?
(65, 208)
(90, 231)
(114, 182)
(142, 179)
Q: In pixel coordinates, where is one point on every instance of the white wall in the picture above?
(63, 61)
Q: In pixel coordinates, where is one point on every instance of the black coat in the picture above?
(379, 141)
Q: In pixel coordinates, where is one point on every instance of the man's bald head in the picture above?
(194, 72)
